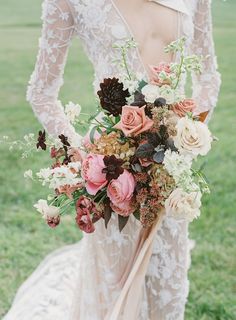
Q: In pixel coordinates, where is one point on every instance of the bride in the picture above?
(84, 281)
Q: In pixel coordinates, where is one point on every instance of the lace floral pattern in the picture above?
(83, 281)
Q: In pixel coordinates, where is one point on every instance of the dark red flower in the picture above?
(87, 214)
(64, 140)
(112, 95)
(41, 140)
(113, 167)
(53, 222)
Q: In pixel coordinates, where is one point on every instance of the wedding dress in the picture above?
(84, 280)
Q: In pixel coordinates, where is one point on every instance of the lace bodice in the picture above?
(99, 25)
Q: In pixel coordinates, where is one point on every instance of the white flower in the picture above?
(151, 92)
(72, 111)
(183, 205)
(179, 167)
(170, 95)
(46, 210)
(28, 174)
(193, 137)
(44, 175)
(131, 85)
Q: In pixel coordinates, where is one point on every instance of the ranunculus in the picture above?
(125, 208)
(183, 107)
(92, 168)
(156, 70)
(193, 137)
(84, 210)
(134, 121)
(151, 92)
(183, 205)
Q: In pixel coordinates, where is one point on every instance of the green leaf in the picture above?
(145, 150)
(92, 133)
(107, 212)
(122, 221)
(142, 84)
(159, 156)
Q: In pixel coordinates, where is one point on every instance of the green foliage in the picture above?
(25, 239)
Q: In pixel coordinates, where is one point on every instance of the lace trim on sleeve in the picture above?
(207, 85)
(47, 78)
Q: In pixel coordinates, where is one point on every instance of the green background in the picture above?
(25, 240)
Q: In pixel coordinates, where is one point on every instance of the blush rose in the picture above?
(134, 121)
(183, 107)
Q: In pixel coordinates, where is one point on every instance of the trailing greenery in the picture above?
(25, 239)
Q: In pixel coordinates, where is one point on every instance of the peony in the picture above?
(84, 209)
(92, 168)
(183, 107)
(120, 191)
(134, 121)
(151, 92)
(124, 209)
(183, 205)
(193, 137)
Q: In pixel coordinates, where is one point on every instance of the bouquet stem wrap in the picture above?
(127, 304)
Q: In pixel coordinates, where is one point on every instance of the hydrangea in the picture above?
(179, 167)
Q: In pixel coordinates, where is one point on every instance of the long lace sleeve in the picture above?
(47, 78)
(205, 86)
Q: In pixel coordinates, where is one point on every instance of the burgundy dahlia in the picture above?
(113, 96)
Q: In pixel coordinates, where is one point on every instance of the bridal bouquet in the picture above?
(138, 156)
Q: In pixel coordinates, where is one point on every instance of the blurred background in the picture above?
(25, 239)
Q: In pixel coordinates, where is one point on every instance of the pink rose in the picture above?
(84, 208)
(120, 191)
(183, 107)
(92, 167)
(156, 70)
(134, 121)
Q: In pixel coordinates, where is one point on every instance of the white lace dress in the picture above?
(83, 281)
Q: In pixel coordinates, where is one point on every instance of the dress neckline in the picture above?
(130, 31)
(178, 5)
(131, 34)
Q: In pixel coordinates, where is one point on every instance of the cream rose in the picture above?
(183, 205)
(193, 137)
(151, 92)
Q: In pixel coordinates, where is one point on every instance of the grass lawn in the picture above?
(25, 240)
